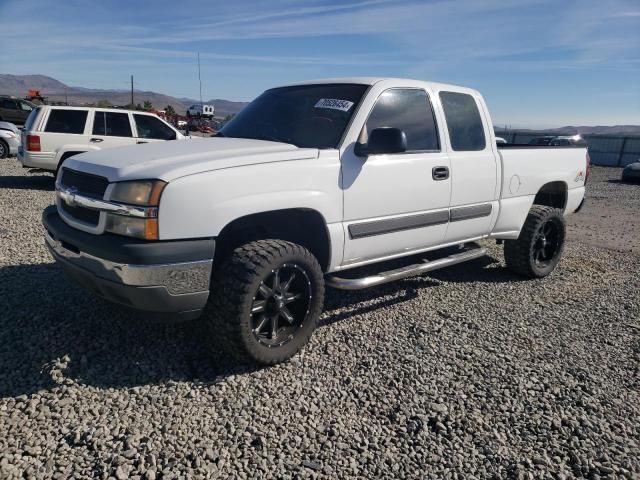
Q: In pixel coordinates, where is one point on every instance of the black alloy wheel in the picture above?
(547, 244)
(281, 305)
(265, 301)
(539, 247)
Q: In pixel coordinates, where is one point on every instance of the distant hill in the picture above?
(56, 91)
(19, 84)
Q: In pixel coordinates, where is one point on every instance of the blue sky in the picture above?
(538, 62)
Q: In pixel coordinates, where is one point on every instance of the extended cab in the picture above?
(307, 183)
(54, 133)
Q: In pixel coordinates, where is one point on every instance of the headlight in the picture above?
(139, 222)
(145, 192)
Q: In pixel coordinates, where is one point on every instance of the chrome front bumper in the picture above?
(172, 288)
(178, 278)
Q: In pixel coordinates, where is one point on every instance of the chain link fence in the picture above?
(605, 150)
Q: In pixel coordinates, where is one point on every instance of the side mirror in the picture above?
(381, 141)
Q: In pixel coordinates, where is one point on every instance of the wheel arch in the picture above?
(304, 226)
(552, 194)
(64, 154)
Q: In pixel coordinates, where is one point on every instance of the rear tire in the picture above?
(539, 247)
(265, 301)
(4, 149)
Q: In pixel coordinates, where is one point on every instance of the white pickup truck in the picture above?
(307, 183)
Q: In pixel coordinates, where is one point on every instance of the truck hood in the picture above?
(170, 160)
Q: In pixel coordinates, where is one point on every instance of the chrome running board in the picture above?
(404, 272)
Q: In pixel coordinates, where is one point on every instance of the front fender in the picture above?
(201, 205)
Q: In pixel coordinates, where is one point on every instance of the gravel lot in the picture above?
(470, 372)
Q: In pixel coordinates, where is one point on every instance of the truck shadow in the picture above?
(620, 181)
(67, 336)
(33, 182)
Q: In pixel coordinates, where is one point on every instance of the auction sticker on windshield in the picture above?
(335, 104)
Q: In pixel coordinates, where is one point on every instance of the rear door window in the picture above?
(28, 125)
(112, 124)
(66, 121)
(8, 103)
(463, 121)
(153, 128)
(410, 111)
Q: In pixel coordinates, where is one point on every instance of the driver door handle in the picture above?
(440, 173)
(96, 140)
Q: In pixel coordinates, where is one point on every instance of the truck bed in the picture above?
(526, 169)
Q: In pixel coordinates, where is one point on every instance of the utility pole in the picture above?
(131, 91)
(200, 81)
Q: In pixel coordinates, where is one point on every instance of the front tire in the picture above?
(265, 301)
(539, 247)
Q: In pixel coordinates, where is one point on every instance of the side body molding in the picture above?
(396, 224)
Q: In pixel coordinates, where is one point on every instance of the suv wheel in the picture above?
(539, 247)
(266, 300)
(4, 149)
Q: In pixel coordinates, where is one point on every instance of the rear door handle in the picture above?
(96, 140)
(440, 173)
(141, 142)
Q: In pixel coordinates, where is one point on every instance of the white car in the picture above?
(309, 181)
(55, 133)
(9, 139)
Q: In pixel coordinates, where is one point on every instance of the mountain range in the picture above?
(582, 130)
(56, 91)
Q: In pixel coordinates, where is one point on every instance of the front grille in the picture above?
(84, 183)
(84, 215)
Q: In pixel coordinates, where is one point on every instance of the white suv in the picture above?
(54, 133)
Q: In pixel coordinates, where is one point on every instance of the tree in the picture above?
(103, 104)
(147, 105)
(139, 107)
(169, 110)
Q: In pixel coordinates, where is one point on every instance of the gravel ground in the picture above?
(468, 373)
(612, 206)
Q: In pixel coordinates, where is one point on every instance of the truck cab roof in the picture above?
(392, 81)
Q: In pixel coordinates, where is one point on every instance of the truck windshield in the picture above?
(312, 116)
